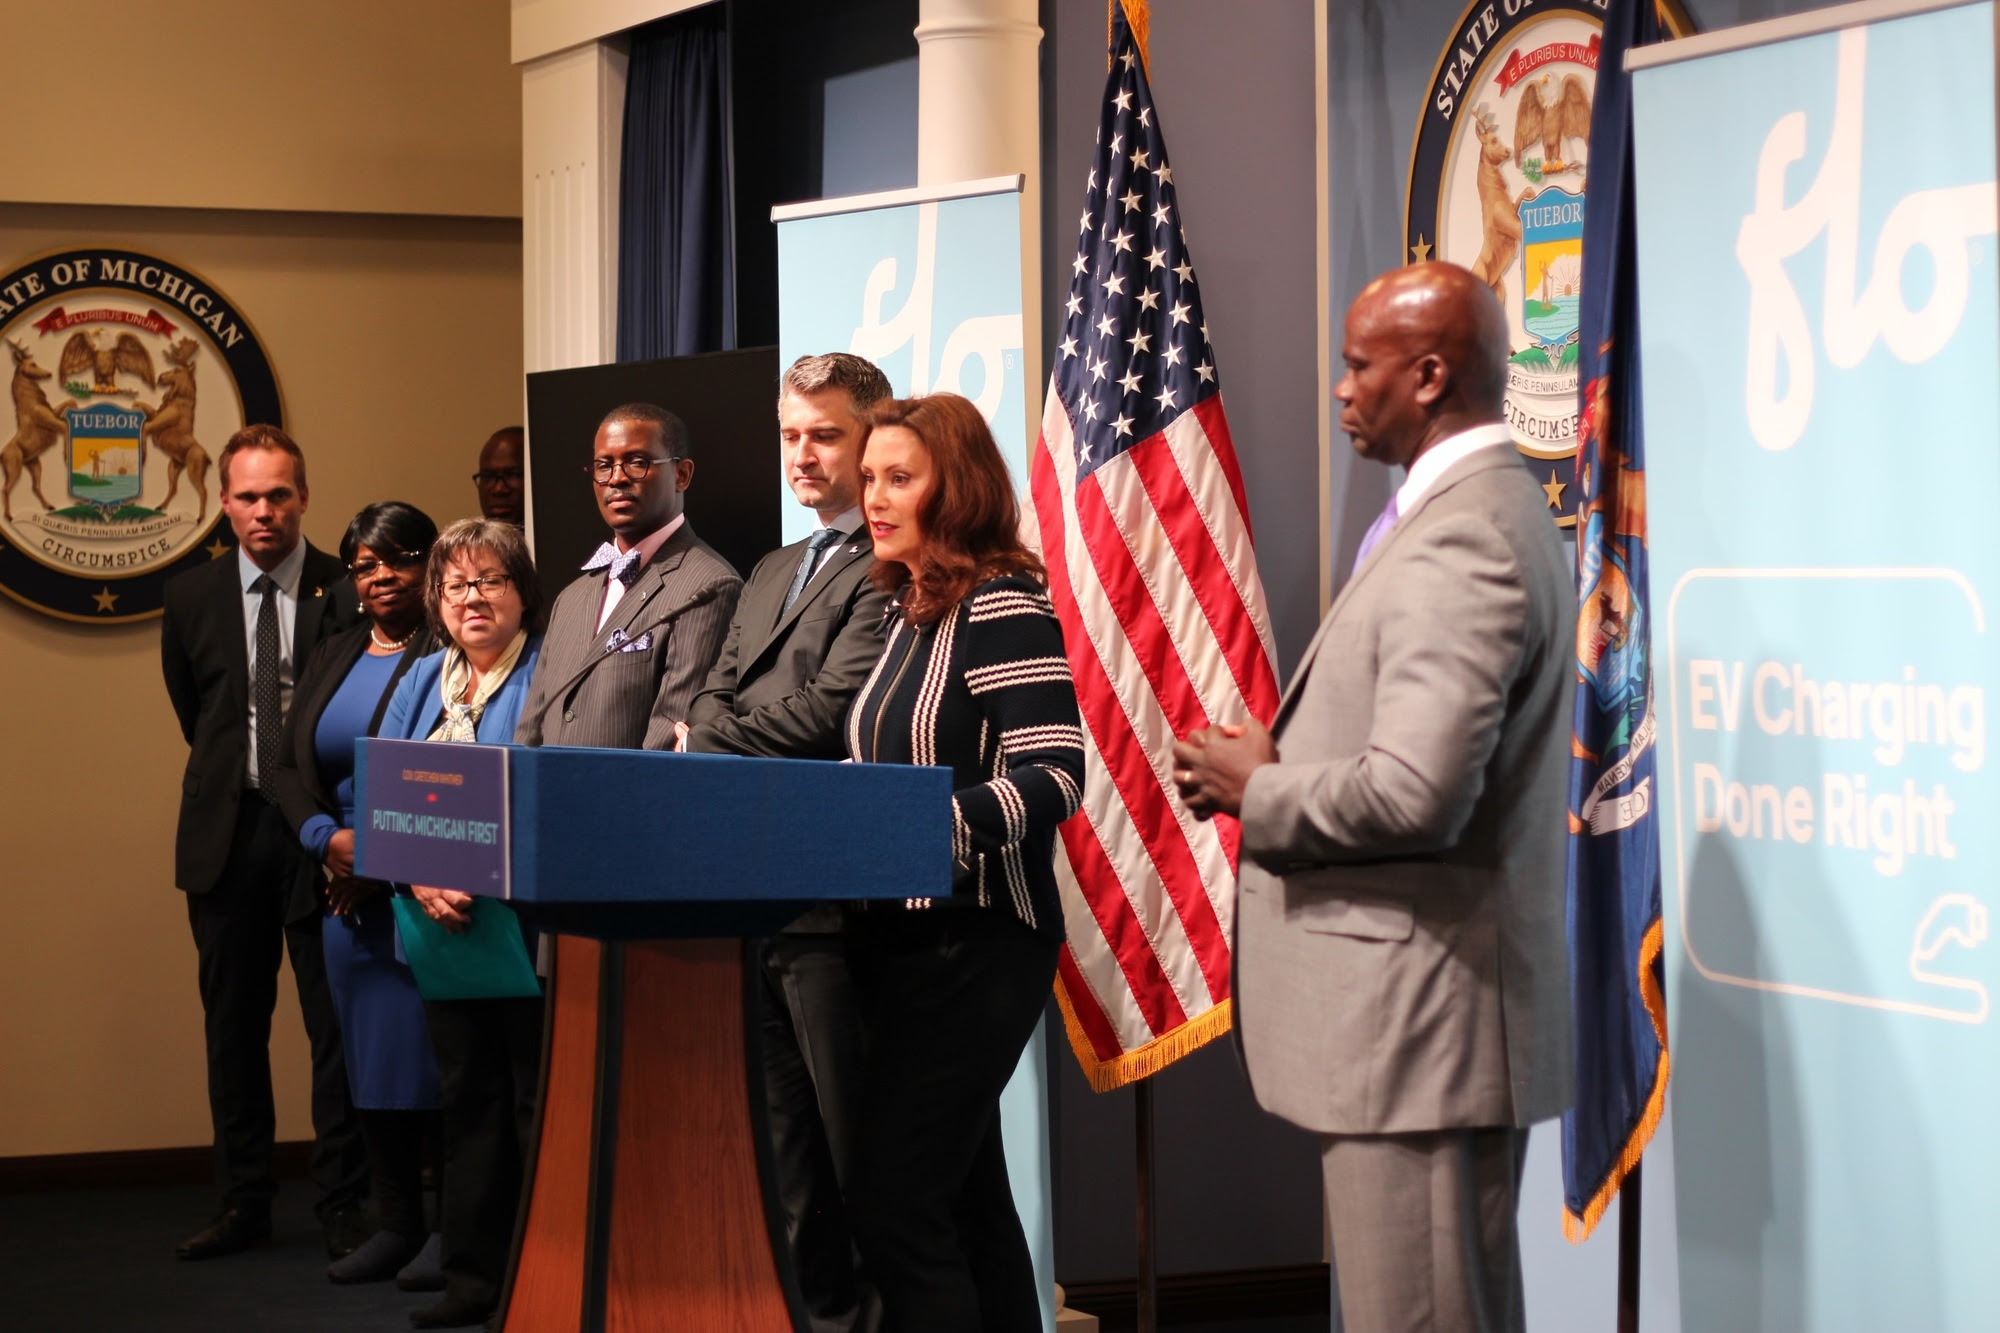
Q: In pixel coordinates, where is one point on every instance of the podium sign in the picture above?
(434, 814)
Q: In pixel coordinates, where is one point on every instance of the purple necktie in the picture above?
(1377, 530)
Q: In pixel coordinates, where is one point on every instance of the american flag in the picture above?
(1139, 507)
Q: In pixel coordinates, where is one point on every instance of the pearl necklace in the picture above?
(389, 645)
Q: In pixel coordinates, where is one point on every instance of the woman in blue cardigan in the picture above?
(484, 600)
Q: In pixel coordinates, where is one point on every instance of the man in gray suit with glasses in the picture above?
(1402, 980)
(630, 642)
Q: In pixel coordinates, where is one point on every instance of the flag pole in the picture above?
(1628, 1249)
(1149, 1278)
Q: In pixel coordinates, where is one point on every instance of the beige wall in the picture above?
(397, 344)
(364, 106)
(360, 204)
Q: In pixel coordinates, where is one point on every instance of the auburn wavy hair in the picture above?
(970, 521)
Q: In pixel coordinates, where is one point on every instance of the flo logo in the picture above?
(1940, 222)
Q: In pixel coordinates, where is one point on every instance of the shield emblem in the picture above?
(1552, 260)
(106, 455)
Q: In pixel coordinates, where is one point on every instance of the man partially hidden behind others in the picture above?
(1402, 978)
(233, 638)
(502, 476)
(806, 634)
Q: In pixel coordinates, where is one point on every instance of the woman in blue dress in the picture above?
(485, 602)
(342, 695)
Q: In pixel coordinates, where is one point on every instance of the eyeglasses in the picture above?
(493, 476)
(489, 586)
(363, 570)
(635, 466)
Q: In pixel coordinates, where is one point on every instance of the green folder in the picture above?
(489, 961)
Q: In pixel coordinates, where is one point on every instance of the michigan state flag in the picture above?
(1614, 844)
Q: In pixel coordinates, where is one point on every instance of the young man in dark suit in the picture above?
(233, 638)
(631, 641)
(805, 637)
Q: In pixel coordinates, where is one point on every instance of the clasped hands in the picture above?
(1214, 764)
(344, 892)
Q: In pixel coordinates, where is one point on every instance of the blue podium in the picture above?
(650, 1203)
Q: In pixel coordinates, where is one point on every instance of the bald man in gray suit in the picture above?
(1402, 979)
(630, 643)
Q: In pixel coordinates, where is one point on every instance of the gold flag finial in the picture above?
(1138, 17)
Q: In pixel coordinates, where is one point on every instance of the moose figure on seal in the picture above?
(38, 427)
(171, 425)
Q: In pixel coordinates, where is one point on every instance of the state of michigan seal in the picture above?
(127, 374)
(1497, 184)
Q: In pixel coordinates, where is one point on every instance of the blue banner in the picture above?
(930, 292)
(1817, 259)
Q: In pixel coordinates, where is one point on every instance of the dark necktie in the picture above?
(815, 546)
(266, 698)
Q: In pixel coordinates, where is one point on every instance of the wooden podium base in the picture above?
(648, 1206)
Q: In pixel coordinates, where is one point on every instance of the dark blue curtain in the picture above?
(676, 285)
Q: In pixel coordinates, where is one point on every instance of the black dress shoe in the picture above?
(234, 1230)
(451, 1312)
(346, 1230)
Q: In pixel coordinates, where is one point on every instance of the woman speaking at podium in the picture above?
(954, 979)
(484, 597)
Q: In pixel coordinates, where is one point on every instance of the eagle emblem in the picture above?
(126, 356)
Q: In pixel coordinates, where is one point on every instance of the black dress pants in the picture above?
(489, 1056)
(240, 936)
(810, 1020)
(951, 997)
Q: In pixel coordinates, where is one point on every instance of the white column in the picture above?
(979, 114)
(572, 116)
(572, 124)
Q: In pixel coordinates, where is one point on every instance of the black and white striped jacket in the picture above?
(986, 691)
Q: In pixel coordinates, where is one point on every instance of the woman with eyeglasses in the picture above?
(485, 601)
(341, 695)
(954, 978)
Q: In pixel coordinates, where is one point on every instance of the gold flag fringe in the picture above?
(1139, 17)
(1578, 1228)
(1155, 1055)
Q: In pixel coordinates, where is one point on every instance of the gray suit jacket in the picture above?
(783, 680)
(624, 688)
(1401, 961)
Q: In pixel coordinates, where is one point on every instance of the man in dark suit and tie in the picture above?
(1402, 977)
(631, 641)
(231, 642)
(805, 637)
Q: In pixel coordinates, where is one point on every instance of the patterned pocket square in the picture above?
(620, 642)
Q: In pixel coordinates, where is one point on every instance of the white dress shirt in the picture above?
(286, 576)
(1433, 462)
(648, 547)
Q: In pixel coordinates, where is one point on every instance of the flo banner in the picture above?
(926, 284)
(1820, 316)
(928, 288)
